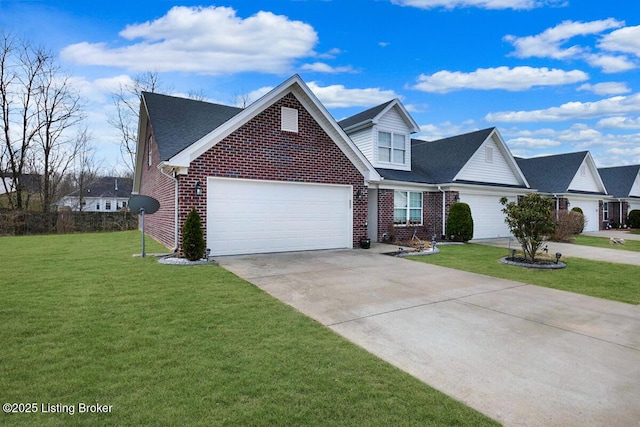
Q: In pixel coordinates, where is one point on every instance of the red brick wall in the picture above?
(431, 216)
(614, 213)
(260, 150)
(160, 225)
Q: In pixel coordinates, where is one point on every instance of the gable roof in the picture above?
(553, 174)
(107, 186)
(619, 180)
(439, 162)
(372, 115)
(179, 122)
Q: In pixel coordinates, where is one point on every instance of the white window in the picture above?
(97, 206)
(407, 207)
(488, 154)
(605, 211)
(289, 119)
(150, 151)
(391, 148)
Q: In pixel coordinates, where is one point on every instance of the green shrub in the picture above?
(577, 209)
(460, 222)
(584, 219)
(192, 238)
(634, 219)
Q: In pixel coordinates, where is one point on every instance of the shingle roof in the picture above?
(552, 174)
(364, 116)
(438, 162)
(619, 180)
(107, 186)
(179, 122)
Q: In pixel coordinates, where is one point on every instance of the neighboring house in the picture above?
(572, 180)
(421, 179)
(623, 185)
(279, 175)
(105, 194)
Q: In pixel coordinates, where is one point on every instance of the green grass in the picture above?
(618, 282)
(84, 321)
(604, 242)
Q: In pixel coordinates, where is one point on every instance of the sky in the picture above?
(554, 76)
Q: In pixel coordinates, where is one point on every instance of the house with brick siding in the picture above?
(623, 185)
(572, 180)
(422, 179)
(278, 175)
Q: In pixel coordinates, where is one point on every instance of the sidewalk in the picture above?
(579, 251)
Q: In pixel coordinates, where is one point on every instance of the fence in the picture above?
(20, 223)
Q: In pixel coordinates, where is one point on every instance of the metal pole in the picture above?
(142, 219)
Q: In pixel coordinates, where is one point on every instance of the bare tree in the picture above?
(86, 168)
(20, 68)
(127, 102)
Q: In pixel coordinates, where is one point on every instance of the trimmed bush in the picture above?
(634, 219)
(584, 219)
(460, 223)
(192, 237)
(577, 209)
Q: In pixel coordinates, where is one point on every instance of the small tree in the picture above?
(192, 238)
(459, 222)
(530, 221)
(634, 219)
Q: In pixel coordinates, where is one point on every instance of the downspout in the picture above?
(444, 209)
(620, 200)
(557, 206)
(175, 204)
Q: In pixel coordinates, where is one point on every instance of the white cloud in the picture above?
(606, 88)
(337, 96)
(482, 4)
(572, 110)
(433, 132)
(321, 67)
(625, 40)
(533, 142)
(619, 123)
(206, 40)
(548, 44)
(512, 79)
(611, 63)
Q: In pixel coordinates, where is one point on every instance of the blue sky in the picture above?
(554, 76)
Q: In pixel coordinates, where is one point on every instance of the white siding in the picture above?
(635, 188)
(498, 171)
(585, 180)
(393, 121)
(363, 139)
(590, 209)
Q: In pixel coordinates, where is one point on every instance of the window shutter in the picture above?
(289, 119)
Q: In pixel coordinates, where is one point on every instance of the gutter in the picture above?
(175, 204)
(444, 199)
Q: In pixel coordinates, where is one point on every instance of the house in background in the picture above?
(279, 175)
(105, 194)
(572, 180)
(421, 179)
(623, 184)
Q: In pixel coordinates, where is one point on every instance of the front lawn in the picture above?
(604, 242)
(85, 322)
(618, 282)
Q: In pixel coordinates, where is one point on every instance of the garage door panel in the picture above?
(488, 218)
(248, 216)
(590, 209)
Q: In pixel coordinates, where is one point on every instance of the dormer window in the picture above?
(391, 148)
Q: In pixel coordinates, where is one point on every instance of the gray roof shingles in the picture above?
(552, 174)
(179, 122)
(106, 187)
(364, 116)
(619, 180)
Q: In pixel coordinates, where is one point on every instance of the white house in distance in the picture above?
(105, 194)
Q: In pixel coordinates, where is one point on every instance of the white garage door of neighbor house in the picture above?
(590, 211)
(251, 216)
(488, 219)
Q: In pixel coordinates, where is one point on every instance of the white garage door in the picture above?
(488, 219)
(250, 216)
(590, 211)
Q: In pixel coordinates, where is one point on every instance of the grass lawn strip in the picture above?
(604, 242)
(617, 282)
(85, 322)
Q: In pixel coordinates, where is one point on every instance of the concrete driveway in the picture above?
(521, 354)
